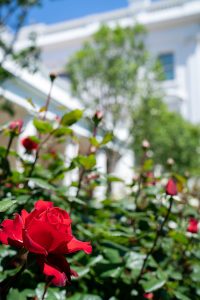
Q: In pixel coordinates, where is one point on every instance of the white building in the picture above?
(173, 35)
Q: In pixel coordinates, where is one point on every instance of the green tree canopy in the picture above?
(105, 72)
(168, 133)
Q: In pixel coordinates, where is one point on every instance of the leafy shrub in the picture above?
(145, 246)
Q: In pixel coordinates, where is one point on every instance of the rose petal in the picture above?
(31, 245)
(57, 267)
(46, 235)
(76, 245)
(41, 204)
(24, 215)
(11, 231)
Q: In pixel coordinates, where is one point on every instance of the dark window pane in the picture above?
(167, 62)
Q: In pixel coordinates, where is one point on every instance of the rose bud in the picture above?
(193, 225)
(16, 126)
(93, 149)
(52, 76)
(29, 144)
(145, 144)
(171, 188)
(148, 296)
(57, 118)
(98, 116)
(46, 232)
(92, 176)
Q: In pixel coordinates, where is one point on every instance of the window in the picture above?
(167, 62)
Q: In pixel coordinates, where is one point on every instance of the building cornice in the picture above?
(165, 13)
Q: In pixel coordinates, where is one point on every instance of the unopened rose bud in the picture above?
(57, 118)
(145, 144)
(193, 225)
(52, 76)
(92, 176)
(171, 188)
(16, 126)
(93, 149)
(98, 116)
(170, 161)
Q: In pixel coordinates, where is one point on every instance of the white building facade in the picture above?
(173, 35)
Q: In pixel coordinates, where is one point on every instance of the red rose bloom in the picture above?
(193, 225)
(148, 296)
(29, 144)
(16, 126)
(46, 231)
(171, 188)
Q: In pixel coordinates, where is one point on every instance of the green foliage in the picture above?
(13, 15)
(122, 232)
(169, 134)
(104, 72)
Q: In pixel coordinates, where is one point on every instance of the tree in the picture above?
(104, 73)
(12, 17)
(169, 134)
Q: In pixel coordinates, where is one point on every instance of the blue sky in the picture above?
(53, 11)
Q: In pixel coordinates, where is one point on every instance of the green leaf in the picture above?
(88, 162)
(52, 293)
(114, 179)
(62, 131)
(153, 284)
(134, 260)
(112, 255)
(94, 142)
(181, 296)
(79, 296)
(42, 183)
(95, 260)
(107, 138)
(30, 101)
(42, 126)
(113, 273)
(5, 204)
(71, 117)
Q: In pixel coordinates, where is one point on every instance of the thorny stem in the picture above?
(82, 172)
(140, 181)
(48, 283)
(43, 118)
(9, 145)
(158, 234)
(48, 100)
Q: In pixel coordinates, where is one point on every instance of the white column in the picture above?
(71, 151)
(28, 130)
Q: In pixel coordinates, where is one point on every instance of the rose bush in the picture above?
(145, 245)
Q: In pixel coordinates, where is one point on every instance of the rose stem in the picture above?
(159, 233)
(9, 145)
(45, 289)
(44, 117)
(82, 172)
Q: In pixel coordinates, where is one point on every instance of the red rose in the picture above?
(193, 225)
(148, 296)
(45, 231)
(29, 144)
(171, 188)
(16, 126)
